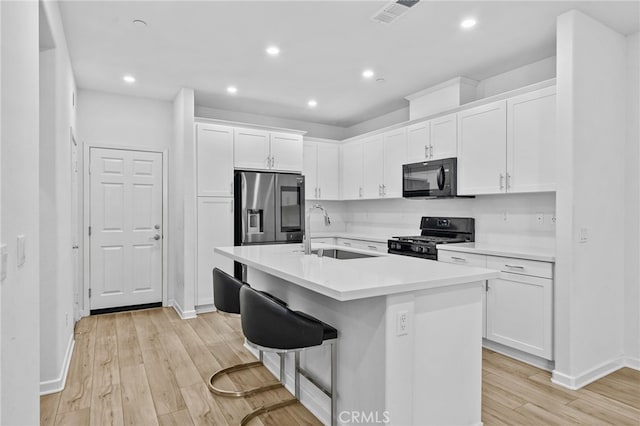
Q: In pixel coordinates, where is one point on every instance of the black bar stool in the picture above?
(226, 297)
(270, 326)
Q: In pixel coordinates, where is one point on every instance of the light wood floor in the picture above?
(149, 367)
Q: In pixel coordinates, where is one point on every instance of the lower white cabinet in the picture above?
(518, 306)
(362, 244)
(519, 313)
(215, 229)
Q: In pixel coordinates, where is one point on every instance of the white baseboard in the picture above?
(311, 397)
(57, 384)
(203, 309)
(632, 363)
(581, 380)
(534, 360)
(181, 312)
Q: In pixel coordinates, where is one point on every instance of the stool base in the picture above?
(266, 409)
(239, 394)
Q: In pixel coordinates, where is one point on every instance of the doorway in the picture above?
(126, 249)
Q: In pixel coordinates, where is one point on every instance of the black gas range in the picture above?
(434, 230)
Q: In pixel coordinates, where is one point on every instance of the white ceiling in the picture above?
(325, 45)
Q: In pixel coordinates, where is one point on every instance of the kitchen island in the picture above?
(410, 331)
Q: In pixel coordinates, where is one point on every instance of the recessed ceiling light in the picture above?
(468, 23)
(139, 23)
(312, 103)
(367, 73)
(273, 50)
(232, 89)
(129, 79)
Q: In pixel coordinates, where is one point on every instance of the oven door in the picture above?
(289, 208)
(429, 179)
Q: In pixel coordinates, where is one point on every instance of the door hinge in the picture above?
(89, 231)
(89, 293)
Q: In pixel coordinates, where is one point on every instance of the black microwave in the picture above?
(430, 179)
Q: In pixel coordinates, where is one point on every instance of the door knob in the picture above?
(156, 237)
(156, 227)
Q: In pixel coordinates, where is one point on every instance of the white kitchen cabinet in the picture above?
(531, 141)
(508, 145)
(215, 229)
(286, 152)
(362, 244)
(443, 137)
(395, 155)
(482, 139)
(373, 167)
(251, 149)
(352, 165)
(262, 150)
(214, 160)
(322, 170)
(324, 240)
(310, 170)
(519, 313)
(418, 142)
(518, 305)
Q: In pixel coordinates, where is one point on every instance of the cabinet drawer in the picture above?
(521, 266)
(362, 244)
(468, 259)
(325, 240)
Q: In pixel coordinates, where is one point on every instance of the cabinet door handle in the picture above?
(501, 181)
(515, 267)
(273, 162)
(347, 243)
(431, 151)
(380, 190)
(360, 192)
(508, 180)
(426, 151)
(459, 259)
(268, 162)
(319, 192)
(384, 189)
(373, 247)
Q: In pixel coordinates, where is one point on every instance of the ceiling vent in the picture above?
(393, 11)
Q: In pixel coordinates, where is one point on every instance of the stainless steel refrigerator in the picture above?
(269, 209)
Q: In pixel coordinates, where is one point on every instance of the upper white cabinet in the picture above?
(251, 149)
(443, 137)
(262, 150)
(432, 140)
(482, 141)
(531, 137)
(372, 167)
(214, 145)
(352, 165)
(286, 152)
(321, 167)
(508, 145)
(215, 229)
(395, 155)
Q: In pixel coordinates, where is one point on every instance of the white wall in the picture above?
(57, 120)
(541, 70)
(20, 317)
(591, 96)
(110, 119)
(182, 205)
(389, 119)
(632, 206)
(315, 130)
(387, 218)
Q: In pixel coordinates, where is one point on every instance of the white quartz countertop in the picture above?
(497, 250)
(351, 279)
(350, 236)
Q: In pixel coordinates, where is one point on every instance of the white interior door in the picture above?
(126, 227)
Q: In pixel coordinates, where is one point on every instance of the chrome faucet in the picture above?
(307, 226)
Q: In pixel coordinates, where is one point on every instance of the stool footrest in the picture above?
(266, 409)
(243, 393)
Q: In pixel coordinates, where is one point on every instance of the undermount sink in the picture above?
(341, 254)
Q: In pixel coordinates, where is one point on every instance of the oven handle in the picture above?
(441, 178)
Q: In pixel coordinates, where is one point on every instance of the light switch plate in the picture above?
(4, 255)
(21, 250)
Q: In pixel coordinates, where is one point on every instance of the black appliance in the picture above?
(430, 179)
(434, 230)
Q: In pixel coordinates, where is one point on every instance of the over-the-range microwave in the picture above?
(430, 179)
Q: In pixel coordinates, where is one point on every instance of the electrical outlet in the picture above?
(540, 218)
(584, 235)
(402, 323)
